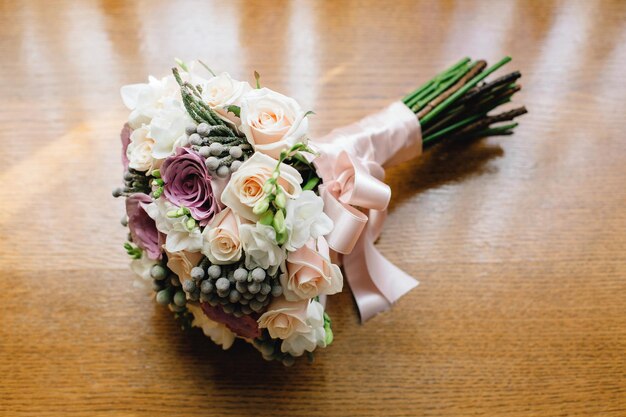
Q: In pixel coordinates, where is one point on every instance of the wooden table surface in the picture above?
(519, 242)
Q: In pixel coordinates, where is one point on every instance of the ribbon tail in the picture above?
(376, 283)
(390, 280)
(369, 300)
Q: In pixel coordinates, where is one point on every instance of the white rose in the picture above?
(145, 100)
(139, 151)
(218, 332)
(222, 91)
(178, 236)
(245, 187)
(221, 238)
(167, 128)
(260, 247)
(306, 219)
(310, 273)
(271, 121)
(284, 318)
(315, 335)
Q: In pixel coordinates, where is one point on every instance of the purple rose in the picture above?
(142, 227)
(188, 184)
(125, 137)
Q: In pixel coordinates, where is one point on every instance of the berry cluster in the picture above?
(223, 151)
(167, 287)
(237, 289)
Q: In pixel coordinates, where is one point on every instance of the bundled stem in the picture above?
(473, 71)
(455, 104)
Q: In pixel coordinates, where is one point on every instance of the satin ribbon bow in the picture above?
(356, 198)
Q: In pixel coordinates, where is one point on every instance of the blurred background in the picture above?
(519, 242)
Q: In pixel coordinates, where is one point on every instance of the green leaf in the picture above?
(309, 112)
(236, 110)
(329, 335)
(328, 330)
(311, 183)
(300, 158)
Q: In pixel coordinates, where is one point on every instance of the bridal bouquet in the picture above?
(238, 221)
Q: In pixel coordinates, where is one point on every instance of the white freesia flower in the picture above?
(139, 151)
(271, 121)
(141, 267)
(260, 247)
(218, 332)
(299, 342)
(178, 236)
(306, 219)
(222, 91)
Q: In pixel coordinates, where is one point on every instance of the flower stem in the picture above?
(412, 96)
(446, 103)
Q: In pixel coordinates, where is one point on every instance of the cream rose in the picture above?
(284, 318)
(139, 150)
(222, 91)
(181, 263)
(310, 272)
(271, 121)
(245, 187)
(221, 242)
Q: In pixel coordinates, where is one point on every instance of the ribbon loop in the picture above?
(351, 166)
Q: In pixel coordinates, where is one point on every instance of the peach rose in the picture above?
(245, 187)
(271, 121)
(284, 318)
(182, 262)
(310, 272)
(221, 242)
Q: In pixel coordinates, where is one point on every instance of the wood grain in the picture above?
(519, 242)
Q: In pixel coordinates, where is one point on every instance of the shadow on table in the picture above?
(448, 162)
(238, 369)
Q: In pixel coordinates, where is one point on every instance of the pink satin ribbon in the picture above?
(356, 198)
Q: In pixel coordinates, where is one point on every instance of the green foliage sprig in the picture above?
(133, 251)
